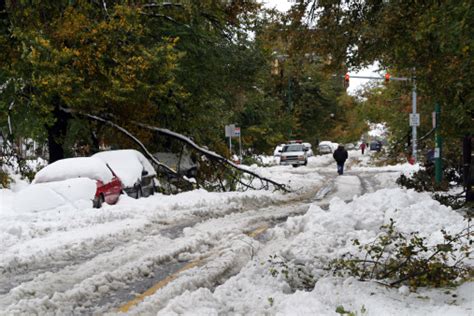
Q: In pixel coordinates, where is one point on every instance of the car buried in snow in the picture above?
(73, 181)
(135, 171)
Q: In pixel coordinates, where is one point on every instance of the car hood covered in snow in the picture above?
(127, 164)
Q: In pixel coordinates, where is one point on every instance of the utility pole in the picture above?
(290, 103)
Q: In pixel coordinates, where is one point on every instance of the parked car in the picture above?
(74, 179)
(326, 147)
(184, 163)
(308, 146)
(376, 146)
(135, 171)
(349, 146)
(294, 154)
(278, 149)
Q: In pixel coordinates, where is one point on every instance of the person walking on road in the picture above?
(340, 155)
(362, 147)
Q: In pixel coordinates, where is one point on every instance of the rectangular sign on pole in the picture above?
(229, 130)
(237, 132)
(414, 119)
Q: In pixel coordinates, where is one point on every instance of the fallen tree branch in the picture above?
(211, 155)
(130, 135)
(162, 131)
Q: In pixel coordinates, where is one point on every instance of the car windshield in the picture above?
(291, 148)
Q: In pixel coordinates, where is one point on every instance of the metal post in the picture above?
(230, 146)
(438, 148)
(414, 148)
(240, 146)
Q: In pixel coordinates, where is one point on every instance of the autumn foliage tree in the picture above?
(429, 40)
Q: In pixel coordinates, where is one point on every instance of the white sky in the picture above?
(354, 84)
(282, 5)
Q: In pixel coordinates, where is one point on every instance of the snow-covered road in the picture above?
(199, 253)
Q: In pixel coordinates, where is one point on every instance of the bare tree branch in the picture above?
(123, 130)
(162, 131)
(211, 155)
(162, 5)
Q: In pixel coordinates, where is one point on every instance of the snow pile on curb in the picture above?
(320, 236)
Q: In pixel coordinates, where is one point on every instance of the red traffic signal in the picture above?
(346, 80)
(387, 77)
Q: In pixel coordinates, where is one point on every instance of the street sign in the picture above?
(229, 130)
(414, 119)
(237, 132)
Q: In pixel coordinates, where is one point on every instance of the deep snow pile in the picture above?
(320, 236)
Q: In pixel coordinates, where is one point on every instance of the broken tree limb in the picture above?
(165, 132)
(130, 135)
(211, 155)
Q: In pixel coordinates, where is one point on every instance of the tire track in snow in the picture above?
(100, 270)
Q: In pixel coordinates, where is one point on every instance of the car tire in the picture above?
(98, 201)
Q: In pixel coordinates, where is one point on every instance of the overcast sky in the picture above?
(354, 84)
(282, 5)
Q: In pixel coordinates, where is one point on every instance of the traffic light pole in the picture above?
(387, 77)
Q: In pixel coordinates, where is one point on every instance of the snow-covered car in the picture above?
(294, 154)
(278, 149)
(135, 171)
(309, 148)
(349, 146)
(71, 181)
(326, 147)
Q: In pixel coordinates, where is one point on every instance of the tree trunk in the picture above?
(56, 134)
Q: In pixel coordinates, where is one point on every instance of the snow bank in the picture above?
(82, 167)
(316, 238)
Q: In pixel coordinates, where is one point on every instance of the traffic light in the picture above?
(387, 77)
(346, 80)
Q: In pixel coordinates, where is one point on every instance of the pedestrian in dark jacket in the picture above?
(340, 155)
